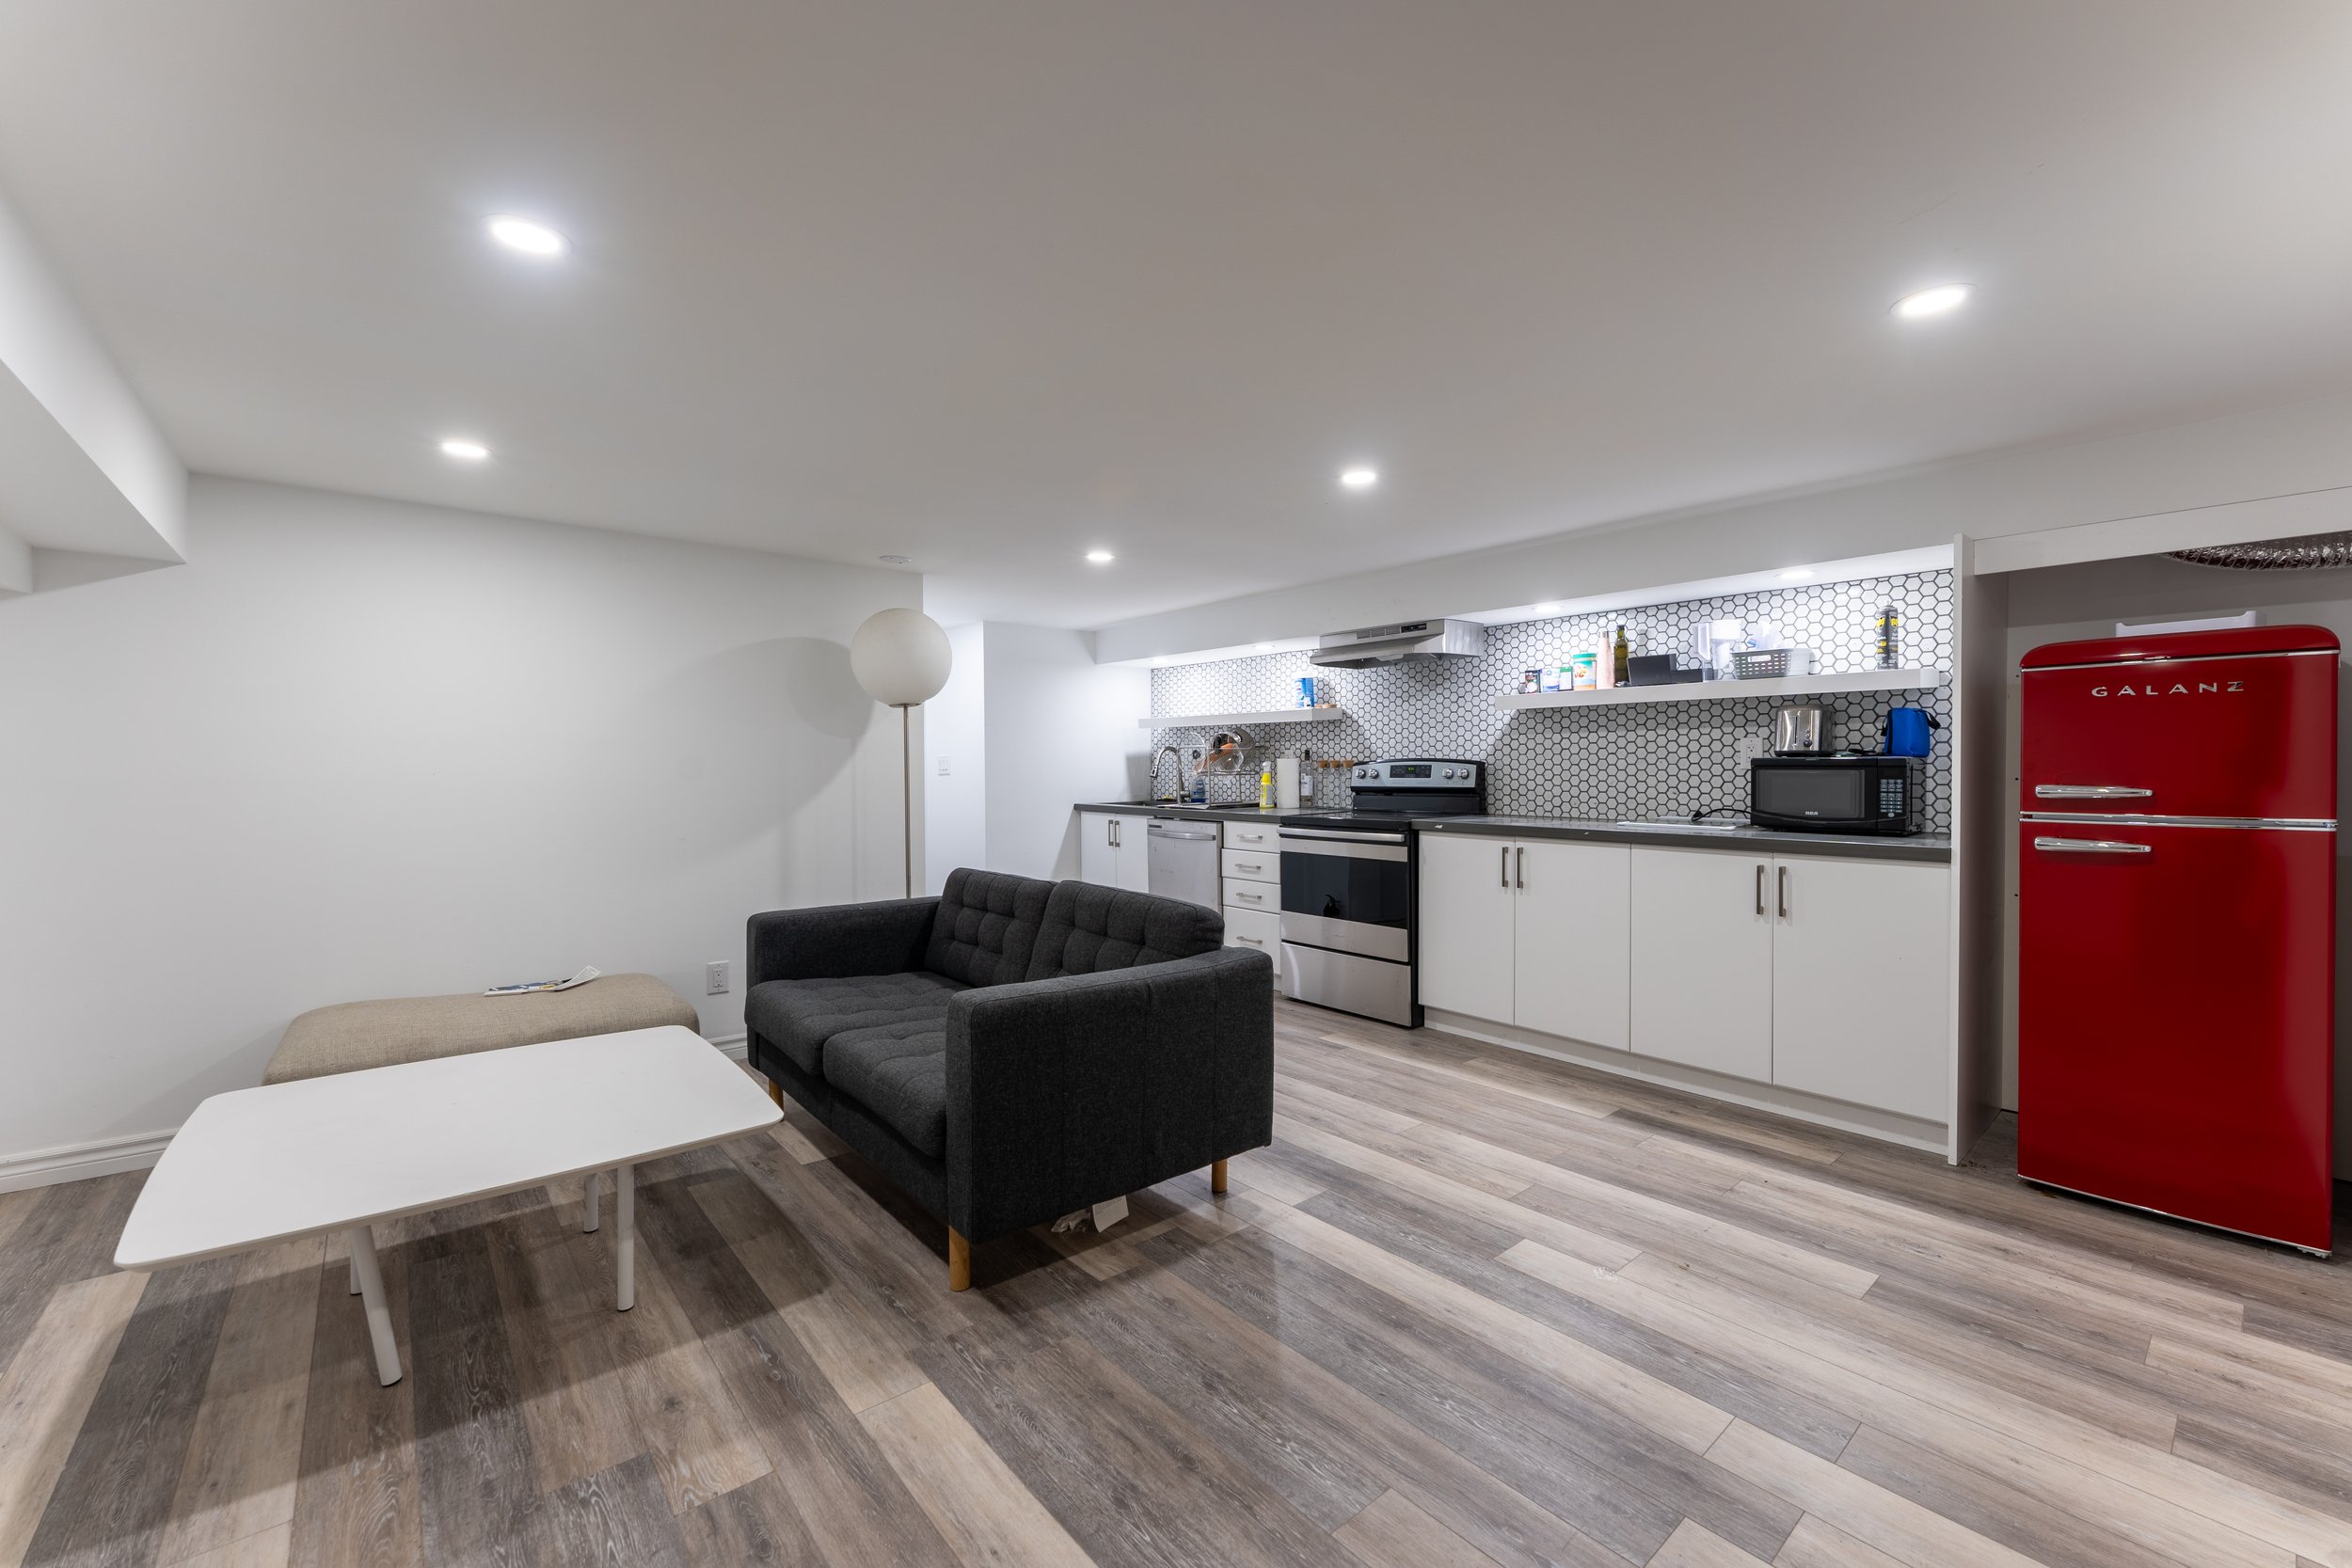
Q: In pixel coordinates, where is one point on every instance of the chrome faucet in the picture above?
(1176, 751)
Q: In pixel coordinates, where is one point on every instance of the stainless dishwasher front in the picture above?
(1182, 862)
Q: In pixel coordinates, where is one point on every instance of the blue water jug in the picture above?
(1908, 732)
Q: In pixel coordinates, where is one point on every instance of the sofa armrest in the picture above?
(1067, 1092)
(838, 941)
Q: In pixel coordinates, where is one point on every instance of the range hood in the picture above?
(1396, 645)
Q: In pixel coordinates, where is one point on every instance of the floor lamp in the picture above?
(901, 658)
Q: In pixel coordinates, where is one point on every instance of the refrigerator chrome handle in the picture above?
(2090, 792)
(1783, 892)
(2093, 846)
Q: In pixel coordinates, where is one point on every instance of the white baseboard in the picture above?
(734, 1046)
(46, 1167)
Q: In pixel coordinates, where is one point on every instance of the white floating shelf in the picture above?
(1716, 691)
(1268, 715)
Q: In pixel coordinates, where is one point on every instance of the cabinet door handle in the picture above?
(1505, 883)
(1783, 892)
(1247, 865)
(1249, 898)
(1254, 941)
(1522, 876)
(1760, 890)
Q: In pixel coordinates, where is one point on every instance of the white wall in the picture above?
(360, 749)
(1061, 728)
(2061, 604)
(83, 465)
(955, 804)
(2296, 450)
(1029, 723)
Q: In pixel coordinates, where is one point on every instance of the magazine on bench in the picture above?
(532, 987)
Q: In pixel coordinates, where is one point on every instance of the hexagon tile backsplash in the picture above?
(1630, 760)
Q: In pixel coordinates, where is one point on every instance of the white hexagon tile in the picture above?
(1634, 760)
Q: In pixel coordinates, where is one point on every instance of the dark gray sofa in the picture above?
(1015, 1050)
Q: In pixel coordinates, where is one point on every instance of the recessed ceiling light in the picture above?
(894, 560)
(532, 239)
(465, 449)
(1933, 302)
(1101, 558)
(1547, 609)
(1359, 477)
(1796, 574)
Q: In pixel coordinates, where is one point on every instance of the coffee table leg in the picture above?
(625, 1253)
(362, 1242)
(595, 1189)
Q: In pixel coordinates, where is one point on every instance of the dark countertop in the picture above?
(1221, 813)
(1933, 848)
(1936, 848)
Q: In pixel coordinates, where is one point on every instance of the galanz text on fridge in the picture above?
(2178, 688)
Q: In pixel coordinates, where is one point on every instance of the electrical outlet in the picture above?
(1751, 747)
(715, 976)
(943, 765)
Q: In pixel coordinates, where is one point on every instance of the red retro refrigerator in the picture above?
(2176, 929)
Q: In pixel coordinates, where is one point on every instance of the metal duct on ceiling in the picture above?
(2308, 552)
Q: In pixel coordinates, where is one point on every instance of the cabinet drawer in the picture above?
(1253, 865)
(1253, 835)
(1261, 930)
(1262, 897)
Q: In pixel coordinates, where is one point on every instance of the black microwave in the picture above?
(1871, 794)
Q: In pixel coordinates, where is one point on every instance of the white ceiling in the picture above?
(987, 285)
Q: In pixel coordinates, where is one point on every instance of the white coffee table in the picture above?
(255, 1166)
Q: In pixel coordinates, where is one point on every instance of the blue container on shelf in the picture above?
(1305, 692)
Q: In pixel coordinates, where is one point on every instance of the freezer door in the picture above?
(2240, 737)
(2176, 998)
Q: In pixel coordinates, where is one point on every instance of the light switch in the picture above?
(943, 765)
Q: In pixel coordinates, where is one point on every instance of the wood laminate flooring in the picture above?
(1473, 1308)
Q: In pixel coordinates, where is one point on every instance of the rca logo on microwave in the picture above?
(2178, 688)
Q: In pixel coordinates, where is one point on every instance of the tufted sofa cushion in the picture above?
(800, 1018)
(987, 927)
(1089, 929)
(900, 1073)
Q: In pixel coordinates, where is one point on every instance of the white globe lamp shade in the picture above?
(900, 656)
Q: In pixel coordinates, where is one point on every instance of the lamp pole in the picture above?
(906, 786)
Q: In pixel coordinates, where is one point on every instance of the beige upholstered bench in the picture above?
(353, 1034)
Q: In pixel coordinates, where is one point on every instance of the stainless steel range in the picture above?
(1349, 894)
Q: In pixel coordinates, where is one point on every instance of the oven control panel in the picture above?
(1418, 773)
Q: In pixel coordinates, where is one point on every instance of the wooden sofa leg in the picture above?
(775, 1092)
(959, 1260)
(1216, 1177)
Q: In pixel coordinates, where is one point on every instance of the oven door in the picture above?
(1349, 890)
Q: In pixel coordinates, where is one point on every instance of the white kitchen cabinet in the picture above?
(1862, 981)
(1573, 944)
(1255, 929)
(1114, 851)
(1253, 865)
(1468, 918)
(1263, 835)
(1701, 966)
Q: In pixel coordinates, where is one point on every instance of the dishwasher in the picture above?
(1182, 858)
